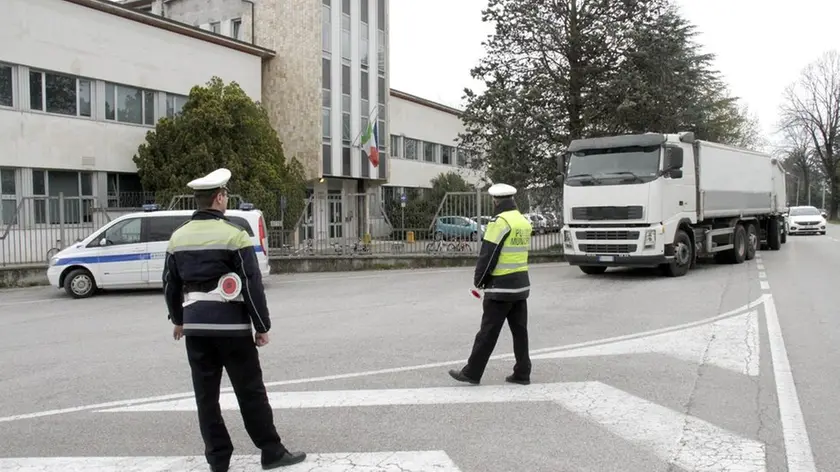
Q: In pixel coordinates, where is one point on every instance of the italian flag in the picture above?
(370, 143)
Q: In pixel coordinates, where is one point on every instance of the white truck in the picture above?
(665, 200)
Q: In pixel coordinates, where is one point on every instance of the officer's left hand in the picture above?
(178, 332)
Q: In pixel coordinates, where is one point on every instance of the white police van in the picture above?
(129, 252)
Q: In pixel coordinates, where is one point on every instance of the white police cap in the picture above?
(216, 179)
(502, 190)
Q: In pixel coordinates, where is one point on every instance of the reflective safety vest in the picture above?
(509, 278)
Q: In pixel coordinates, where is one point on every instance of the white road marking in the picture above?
(800, 457)
(732, 344)
(677, 438)
(762, 275)
(400, 461)
(119, 403)
(765, 285)
(759, 266)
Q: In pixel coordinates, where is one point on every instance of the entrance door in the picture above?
(336, 214)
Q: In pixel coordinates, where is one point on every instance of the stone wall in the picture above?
(291, 80)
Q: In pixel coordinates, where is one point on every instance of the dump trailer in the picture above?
(667, 200)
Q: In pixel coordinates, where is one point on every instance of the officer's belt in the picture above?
(213, 296)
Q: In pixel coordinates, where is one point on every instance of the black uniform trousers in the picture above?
(495, 314)
(238, 355)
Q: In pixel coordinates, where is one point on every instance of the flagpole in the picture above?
(371, 113)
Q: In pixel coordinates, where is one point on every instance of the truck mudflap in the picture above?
(611, 260)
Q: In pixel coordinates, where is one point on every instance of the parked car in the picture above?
(454, 227)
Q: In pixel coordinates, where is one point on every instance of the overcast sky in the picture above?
(761, 45)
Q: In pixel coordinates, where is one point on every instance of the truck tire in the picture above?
(683, 255)
(592, 270)
(753, 241)
(774, 235)
(739, 240)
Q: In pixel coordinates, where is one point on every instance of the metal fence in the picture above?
(330, 225)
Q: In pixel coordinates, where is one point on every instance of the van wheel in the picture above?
(79, 284)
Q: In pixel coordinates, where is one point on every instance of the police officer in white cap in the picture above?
(502, 272)
(214, 293)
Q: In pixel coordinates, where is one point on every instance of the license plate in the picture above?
(606, 258)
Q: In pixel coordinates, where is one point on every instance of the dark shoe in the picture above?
(517, 380)
(219, 468)
(460, 377)
(289, 458)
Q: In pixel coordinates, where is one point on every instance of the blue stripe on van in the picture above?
(140, 256)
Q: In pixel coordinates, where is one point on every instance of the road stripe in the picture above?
(677, 438)
(369, 373)
(762, 275)
(399, 461)
(800, 457)
(731, 343)
(759, 266)
(765, 285)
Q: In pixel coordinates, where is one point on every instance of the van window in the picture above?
(160, 228)
(124, 232)
(242, 223)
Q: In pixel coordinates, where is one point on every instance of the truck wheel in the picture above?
(739, 239)
(774, 235)
(783, 237)
(683, 255)
(593, 270)
(752, 241)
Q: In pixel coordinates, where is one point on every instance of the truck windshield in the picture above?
(614, 166)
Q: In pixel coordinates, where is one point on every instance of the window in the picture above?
(174, 104)
(383, 165)
(126, 191)
(326, 27)
(365, 86)
(8, 198)
(326, 73)
(364, 11)
(345, 103)
(380, 46)
(129, 104)
(160, 228)
(345, 162)
(59, 93)
(345, 7)
(411, 148)
(326, 116)
(395, 145)
(215, 27)
(236, 28)
(6, 88)
(125, 232)
(364, 42)
(345, 36)
(326, 159)
(326, 104)
(77, 189)
(446, 154)
(380, 14)
(429, 152)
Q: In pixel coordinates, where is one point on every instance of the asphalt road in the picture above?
(632, 372)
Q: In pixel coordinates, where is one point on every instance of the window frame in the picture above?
(13, 80)
(8, 197)
(115, 119)
(43, 200)
(94, 243)
(78, 81)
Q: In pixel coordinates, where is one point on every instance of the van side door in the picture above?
(157, 231)
(122, 257)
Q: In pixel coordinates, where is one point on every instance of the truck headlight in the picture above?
(650, 238)
(567, 238)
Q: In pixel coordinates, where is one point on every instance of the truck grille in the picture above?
(608, 248)
(607, 213)
(607, 235)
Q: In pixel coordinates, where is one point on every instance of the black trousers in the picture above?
(495, 314)
(238, 355)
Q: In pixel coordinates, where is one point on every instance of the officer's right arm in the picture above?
(248, 269)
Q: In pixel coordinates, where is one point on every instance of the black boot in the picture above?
(517, 380)
(273, 460)
(460, 377)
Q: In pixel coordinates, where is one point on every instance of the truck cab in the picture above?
(624, 198)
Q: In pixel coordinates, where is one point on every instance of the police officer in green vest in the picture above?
(214, 293)
(502, 272)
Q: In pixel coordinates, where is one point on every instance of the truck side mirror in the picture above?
(673, 158)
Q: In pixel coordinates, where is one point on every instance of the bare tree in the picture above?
(800, 158)
(812, 106)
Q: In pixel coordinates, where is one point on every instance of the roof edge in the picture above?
(177, 27)
(426, 102)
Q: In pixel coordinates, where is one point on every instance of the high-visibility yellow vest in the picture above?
(513, 257)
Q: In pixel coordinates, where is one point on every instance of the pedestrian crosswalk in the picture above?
(672, 434)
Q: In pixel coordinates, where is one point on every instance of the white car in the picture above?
(129, 252)
(805, 220)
